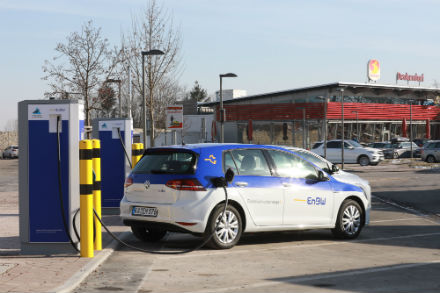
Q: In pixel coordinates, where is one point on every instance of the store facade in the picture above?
(298, 117)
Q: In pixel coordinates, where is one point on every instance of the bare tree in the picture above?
(83, 64)
(154, 29)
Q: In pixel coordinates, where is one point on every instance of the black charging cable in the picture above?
(60, 190)
(125, 150)
(168, 252)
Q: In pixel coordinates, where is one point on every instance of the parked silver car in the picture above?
(431, 152)
(10, 152)
(401, 150)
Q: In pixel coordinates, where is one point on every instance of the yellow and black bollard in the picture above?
(86, 197)
(97, 191)
(136, 153)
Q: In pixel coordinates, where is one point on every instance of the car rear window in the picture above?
(166, 162)
(317, 145)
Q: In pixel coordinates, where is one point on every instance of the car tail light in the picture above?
(128, 182)
(185, 184)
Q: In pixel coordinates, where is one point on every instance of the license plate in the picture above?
(144, 211)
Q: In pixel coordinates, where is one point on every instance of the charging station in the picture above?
(115, 166)
(49, 135)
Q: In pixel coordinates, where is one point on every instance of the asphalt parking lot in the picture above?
(398, 252)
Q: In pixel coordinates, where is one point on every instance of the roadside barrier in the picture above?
(96, 162)
(137, 150)
(86, 197)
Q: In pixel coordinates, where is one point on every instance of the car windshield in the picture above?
(166, 162)
(317, 145)
(355, 144)
(320, 162)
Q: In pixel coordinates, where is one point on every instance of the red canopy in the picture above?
(428, 129)
(404, 128)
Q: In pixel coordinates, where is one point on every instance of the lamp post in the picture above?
(357, 125)
(325, 100)
(118, 81)
(411, 128)
(304, 125)
(343, 130)
(144, 102)
(222, 111)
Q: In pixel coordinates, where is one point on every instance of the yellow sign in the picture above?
(211, 159)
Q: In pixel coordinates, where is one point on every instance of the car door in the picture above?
(350, 153)
(307, 200)
(262, 192)
(334, 151)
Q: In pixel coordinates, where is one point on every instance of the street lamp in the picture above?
(222, 111)
(118, 81)
(325, 99)
(342, 120)
(144, 102)
(357, 125)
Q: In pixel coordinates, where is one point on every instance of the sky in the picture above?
(272, 45)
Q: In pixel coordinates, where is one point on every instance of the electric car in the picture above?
(274, 189)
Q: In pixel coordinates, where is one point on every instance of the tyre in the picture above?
(148, 235)
(350, 220)
(225, 229)
(430, 159)
(364, 161)
(395, 155)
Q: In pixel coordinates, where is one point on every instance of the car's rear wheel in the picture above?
(226, 229)
(350, 220)
(430, 159)
(395, 155)
(364, 161)
(146, 234)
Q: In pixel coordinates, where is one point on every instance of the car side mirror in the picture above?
(335, 168)
(321, 176)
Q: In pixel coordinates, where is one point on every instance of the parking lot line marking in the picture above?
(396, 220)
(326, 276)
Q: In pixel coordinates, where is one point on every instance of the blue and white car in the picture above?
(274, 189)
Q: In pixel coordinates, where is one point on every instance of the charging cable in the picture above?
(60, 191)
(125, 150)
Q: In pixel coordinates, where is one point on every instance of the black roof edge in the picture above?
(338, 84)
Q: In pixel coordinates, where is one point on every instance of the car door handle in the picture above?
(241, 184)
(286, 184)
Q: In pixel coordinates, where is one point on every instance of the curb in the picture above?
(87, 269)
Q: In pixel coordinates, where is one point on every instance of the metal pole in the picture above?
(144, 105)
(304, 127)
(325, 127)
(129, 93)
(342, 140)
(411, 129)
(357, 128)
(221, 113)
(119, 97)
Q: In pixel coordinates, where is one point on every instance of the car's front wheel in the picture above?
(364, 161)
(350, 220)
(226, 229)
(148, 235)
(430, 159)
(395, 155)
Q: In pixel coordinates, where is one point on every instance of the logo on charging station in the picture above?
(104, 125)
(37, 113)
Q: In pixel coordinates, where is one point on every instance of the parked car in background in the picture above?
(334, 170)
(10, 152)
(353, 152)
(383, 145)
(421, 141)
(431, 152)
(401, 150)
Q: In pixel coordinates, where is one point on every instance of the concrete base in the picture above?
(48, 248)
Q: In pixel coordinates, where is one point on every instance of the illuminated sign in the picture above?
(407, 77)
(373, 68)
